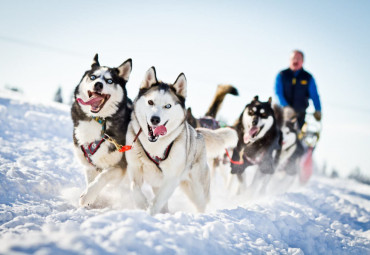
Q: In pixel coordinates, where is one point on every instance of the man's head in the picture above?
(296, 60)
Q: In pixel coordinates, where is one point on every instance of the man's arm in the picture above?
(314, 95)
(279, 91)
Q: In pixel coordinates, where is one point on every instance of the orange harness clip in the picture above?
(125, 148)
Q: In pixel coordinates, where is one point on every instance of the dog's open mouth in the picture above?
(96, 101)
(155, 131)
(252, 133)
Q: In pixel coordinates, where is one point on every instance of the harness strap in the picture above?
(90, 149)
(290, 147)
(232, 161)
(103, 123)
(129, 147)
(157, 160)
(122, 148)
(250, 160)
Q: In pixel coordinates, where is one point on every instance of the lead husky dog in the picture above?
(167, 151)
(259, 143)
(100, 114)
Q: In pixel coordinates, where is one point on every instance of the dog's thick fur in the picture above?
(259, 139)
(176, 156)
(101, 94)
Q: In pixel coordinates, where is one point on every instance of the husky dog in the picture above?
(259, 141)
(217, 163)
(167, 152)
(291, 154)
(100, 114)
(292, 149)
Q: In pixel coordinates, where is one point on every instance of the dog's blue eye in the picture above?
(92, 77)
(167, 106)
(150, 102)
(110, 81)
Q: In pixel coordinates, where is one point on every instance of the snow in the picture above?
(40, 184)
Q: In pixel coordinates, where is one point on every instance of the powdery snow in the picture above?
(40, 183)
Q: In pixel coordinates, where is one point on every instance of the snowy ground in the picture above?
(40, 183)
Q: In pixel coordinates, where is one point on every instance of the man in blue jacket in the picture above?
(295, 86)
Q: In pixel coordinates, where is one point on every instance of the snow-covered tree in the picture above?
(58, 96)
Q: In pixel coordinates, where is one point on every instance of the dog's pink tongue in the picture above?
(253, 131)
(250, 134)
(160, 130)
(89, 102)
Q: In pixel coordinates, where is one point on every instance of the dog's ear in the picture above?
(180, 85)
(190, 118)
(269, 101)
(149, 79)
(255, 98)
(95, 62)
(125, 69)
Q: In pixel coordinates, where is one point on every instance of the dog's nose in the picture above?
(155, 120)
(254, 122)
(98, 86)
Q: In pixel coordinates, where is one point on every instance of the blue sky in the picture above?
(46, 44)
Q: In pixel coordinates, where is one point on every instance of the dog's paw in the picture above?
(86, 199)
(152, 209)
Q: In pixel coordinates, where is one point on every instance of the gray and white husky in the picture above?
(101, 113)
(168, 152)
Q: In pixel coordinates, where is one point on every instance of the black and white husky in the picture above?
(292, 149)
(291, 154)
(168, 152)
(101, 113)
(259, 142)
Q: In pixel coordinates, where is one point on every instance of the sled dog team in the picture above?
(157, 141)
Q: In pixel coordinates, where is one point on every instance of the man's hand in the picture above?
(317, 115)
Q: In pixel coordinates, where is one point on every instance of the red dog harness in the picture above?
(157, 160)
(91, 148)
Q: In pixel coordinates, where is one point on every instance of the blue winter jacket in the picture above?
(295, 89)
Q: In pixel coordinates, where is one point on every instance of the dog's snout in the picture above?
(98, 86)
(155, 120)
(254, 122)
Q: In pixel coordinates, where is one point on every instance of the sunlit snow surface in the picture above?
(40, 183)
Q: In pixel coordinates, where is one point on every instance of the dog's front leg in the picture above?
(136, 179)
(90, 174)
(162, 195)
(94, 187)
(238, 168)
